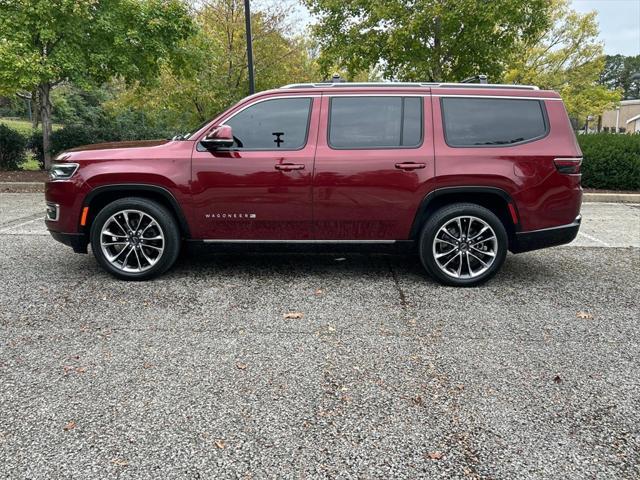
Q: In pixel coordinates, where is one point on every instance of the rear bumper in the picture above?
(77, 241)
(547, 237)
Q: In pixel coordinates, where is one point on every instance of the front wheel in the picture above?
(463, 245)
(135, 238)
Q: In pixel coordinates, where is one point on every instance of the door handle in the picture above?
(286, 167)
(410, 166)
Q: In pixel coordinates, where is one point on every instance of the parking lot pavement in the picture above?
(386, 375)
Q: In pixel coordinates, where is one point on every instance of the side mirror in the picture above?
(219, 137)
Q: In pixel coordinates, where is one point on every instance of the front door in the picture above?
(260, 188)
(374, 165)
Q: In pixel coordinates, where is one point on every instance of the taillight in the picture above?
(569, 166)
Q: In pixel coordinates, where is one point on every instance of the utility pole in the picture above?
(247, 21)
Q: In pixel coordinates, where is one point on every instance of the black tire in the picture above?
(446, 214)
(155, 211)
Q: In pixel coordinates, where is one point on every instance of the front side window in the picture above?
(375, 122)
(471, 122)
(278, 124)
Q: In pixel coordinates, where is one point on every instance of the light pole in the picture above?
(247, 21)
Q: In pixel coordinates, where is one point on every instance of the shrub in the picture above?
(611, 161)
(77, 135)
(12, 148)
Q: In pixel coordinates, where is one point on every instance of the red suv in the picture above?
(463, 172)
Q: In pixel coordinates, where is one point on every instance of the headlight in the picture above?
(62, 171)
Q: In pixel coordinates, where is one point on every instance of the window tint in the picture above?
(272, 124)
(492, 121)
(375, 122)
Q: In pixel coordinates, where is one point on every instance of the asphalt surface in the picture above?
(387, 375)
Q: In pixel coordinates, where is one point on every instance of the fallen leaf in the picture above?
(557, 379)
(418, 400)
(147, 365)
(293, 315)
(584, 315)
(241, 366)
(435, 455)
(319, 291)
(69, 426)
(121, 462)
(81, 369)
(219, 444)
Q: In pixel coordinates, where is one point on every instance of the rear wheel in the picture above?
(135, 238)
(463, 245)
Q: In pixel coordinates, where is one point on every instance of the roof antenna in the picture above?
(335, 78)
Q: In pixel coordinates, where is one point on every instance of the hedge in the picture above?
(611, 162)
(77, 135)
(12, 148)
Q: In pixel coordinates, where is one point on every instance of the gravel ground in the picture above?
(387, 374)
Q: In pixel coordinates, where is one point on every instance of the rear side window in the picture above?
(271, 125)
(375, 122)
(470, 122)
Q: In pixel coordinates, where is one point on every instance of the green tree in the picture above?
(567, 58)
(618, 72)
(424, 40)
(212, 73)
(46, 42)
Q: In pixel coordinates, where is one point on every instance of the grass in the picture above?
(31, 163)
(22, 126)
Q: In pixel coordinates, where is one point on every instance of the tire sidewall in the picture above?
(440, 218)
(160, 215)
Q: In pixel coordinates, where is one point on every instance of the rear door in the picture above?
(374, 164)
(259, 189)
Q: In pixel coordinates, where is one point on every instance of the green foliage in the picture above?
(46, 42)
(12, 148)
(610, 161)
(567, 58)
(22, 126)
(113, 130)
(617, 74)
(72, 105)
(12, 106)
(447, 40)
(211, 72)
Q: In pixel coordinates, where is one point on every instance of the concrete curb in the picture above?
(21, 187)
(611, 197)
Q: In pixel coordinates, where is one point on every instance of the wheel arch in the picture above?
(492, 198)
(101, 196)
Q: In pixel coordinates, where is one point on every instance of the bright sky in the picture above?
(619, 23)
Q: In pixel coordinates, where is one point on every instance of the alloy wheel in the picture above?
(465, 247)
(132, 240)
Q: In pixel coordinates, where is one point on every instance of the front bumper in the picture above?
(77, 241)
(547, 237)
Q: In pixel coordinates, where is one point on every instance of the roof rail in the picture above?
(408, 84)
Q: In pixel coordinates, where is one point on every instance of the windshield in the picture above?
(187, 136)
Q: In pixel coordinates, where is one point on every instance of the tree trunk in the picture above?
(44, 91)
(35, 110)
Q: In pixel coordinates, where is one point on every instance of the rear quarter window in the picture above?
(494, 122)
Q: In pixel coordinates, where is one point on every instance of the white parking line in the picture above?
(4, 230)
(593, 239)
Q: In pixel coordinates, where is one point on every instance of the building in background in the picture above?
(623, 119)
